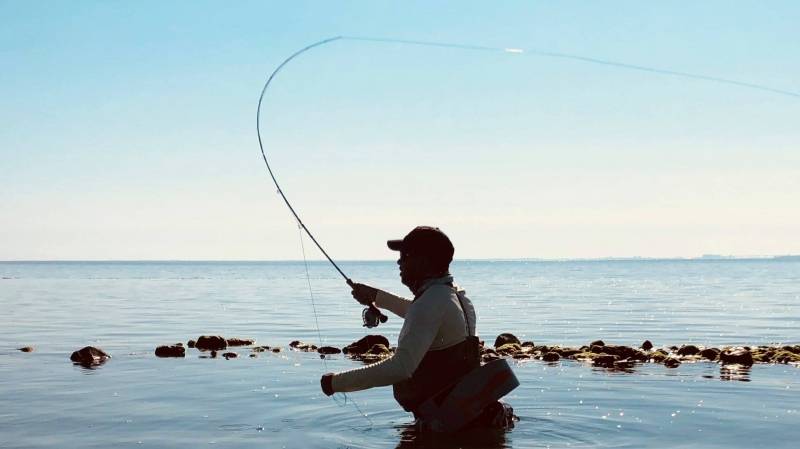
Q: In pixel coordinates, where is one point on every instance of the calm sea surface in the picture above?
(139, 401)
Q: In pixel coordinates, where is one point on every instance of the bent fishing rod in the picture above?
(372, 312)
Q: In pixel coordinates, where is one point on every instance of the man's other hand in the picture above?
(326, 382)
(364, 294)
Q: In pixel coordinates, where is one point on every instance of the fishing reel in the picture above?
(372, 316)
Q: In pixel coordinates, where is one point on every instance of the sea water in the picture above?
(139, 401)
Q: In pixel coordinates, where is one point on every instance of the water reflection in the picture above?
(734, 372)
(412, 437)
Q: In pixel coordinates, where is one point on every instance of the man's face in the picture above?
(412, 269)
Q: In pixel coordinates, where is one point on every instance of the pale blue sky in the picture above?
(128, 129)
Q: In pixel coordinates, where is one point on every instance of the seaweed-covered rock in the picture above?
(551, 357)
(672, 362)
(783, 356)
(508, 349)
(379, 349)
(211, 343)
(26, 349)
(329, 350)
(302, 346)
(658, 356)
(688, 350)
(230, 355)
(176, 350)
(504, 339)
(364, 344)
(709, 353)
(647, 345)
(89, 356)
(739, 356)
(240, 341)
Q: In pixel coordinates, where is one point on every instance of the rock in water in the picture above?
(710, 353)
(364, 344)
(739, 356)
(240, 341)
(329, 350)
(647, 345)
(671, 362)
(190, 343)
(504, 339)
(551, 357)
(211, 343)
(302, 346)
(688, 350)
(171, 351)
(26, 349)
(230, 355)
(597, 343)
(89, 357)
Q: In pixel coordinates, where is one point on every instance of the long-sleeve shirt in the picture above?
(433, 321)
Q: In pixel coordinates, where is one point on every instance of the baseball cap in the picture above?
(425, 241)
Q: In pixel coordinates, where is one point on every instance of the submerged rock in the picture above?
(364, 344)
(211, 343)
(261, 349)
(176, 350)
(504, 339)
(329, 350)
(671, 362)
(276, 349)
(26, 349)
(647, 345)
(739, 356)
(230, 355)
(302, 346)
(89, 356)
(240, 342)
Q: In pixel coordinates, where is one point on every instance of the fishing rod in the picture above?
(372, 315)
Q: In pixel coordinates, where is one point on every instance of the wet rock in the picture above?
(261, 349)
(673, 348)
(230, 355)
(647, 345)
(551, 357)
(709, 353)
(508, 349)
(658, 356)
(329, 350)
(739, 356)
(504, 339)
(364, 344)
(190, 343)
(213, 354)
(672, 362)
(252, 356)
(302, 346)
(26, 349)
(597, 343)
(379, 349)
(240, 342)
(211, 343)
(171, 351)
(522, 355)
(568, 352)
(688, 350)
(622, 352)
(89, 356)
(486, 358)
(605, 360)
(276, 350)
(624, 364)
(527, 344)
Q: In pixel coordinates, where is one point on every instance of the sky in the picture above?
(128, 129)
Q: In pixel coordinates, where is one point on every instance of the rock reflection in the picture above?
(739, 373)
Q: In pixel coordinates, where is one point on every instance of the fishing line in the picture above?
(343, 402)
(470, 47)
(457, 46)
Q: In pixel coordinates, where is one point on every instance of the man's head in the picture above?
(425, 253)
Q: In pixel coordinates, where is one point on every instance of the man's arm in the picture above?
(367, 295)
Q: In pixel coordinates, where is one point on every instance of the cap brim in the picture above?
(395, 245)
